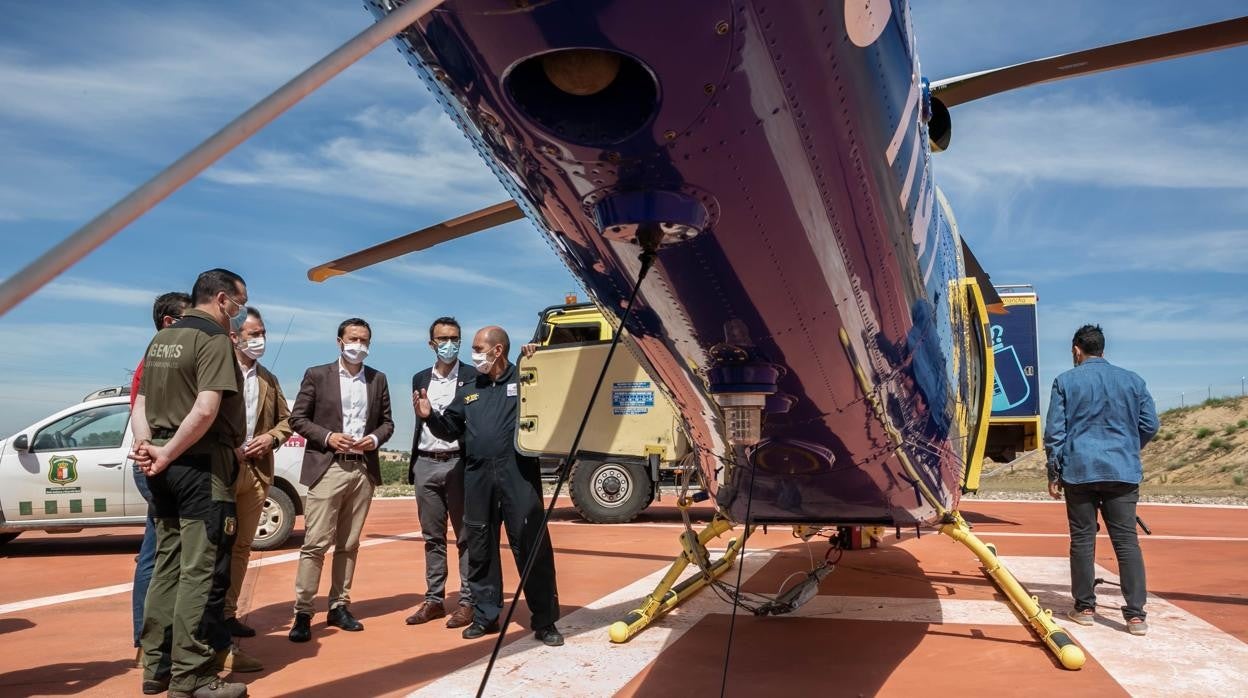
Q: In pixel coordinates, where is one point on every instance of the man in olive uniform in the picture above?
(188, 419)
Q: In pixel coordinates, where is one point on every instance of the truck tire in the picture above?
(6, 537)
(277, 520)
(611, 491)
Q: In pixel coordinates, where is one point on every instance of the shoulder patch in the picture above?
(471, 398)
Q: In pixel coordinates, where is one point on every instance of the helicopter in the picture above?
(746, 189)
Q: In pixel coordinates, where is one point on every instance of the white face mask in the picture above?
(253, 348)
(355, 352)
(482, 362)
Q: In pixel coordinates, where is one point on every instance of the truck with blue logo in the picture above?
(633, 444)
(1014, 426)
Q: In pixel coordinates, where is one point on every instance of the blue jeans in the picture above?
(147, 556)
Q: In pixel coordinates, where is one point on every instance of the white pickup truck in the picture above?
(69, 471)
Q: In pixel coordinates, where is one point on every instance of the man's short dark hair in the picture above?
(445, 321)
(215, 281)
(252, 312)
(354, 322)
(1090, 340)
(172, 304)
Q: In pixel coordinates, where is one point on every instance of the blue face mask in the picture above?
(237, 320)
(448, 351)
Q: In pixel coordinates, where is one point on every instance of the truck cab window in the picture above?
(96, 427)
(575, 334)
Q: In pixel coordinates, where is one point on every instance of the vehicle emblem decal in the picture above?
(62, 470)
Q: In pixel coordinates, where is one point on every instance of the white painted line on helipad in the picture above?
(98, 592)
(1182, 655)
(589, 664)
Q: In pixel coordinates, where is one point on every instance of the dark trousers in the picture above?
(439, 495)
(498, 492)
(1116, 503)
(183, 620)
(146, 560)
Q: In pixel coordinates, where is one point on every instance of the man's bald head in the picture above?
(489, 337)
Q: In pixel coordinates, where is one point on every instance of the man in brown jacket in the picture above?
(343, 410)
(268, 427)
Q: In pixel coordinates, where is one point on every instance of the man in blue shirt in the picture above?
(1100, 416)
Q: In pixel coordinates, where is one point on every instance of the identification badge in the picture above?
(471, 398)
(511, 390)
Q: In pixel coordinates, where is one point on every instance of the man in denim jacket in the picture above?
(1100, 416)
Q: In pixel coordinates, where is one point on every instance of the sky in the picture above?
(1120, 196)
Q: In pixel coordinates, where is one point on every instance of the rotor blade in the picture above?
(467, 224)
(16, 288)
(1185, 42)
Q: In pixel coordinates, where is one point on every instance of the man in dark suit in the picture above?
(437, 471)
(343, 410)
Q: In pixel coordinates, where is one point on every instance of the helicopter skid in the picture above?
(1069, 654)
(668, 593)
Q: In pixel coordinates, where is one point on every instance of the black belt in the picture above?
(350, 457)
(162, 433)
(438, 455)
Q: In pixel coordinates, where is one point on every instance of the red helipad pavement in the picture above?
(914, 616)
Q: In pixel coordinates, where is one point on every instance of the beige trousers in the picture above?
(334, 515)
(249, 494)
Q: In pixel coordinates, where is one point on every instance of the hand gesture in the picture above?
(420, 401)
(365, 443)
(259, 445)
(1055, 489)
(341, 443)
(157, 460)
(528, 350)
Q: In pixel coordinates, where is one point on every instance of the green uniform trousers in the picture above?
(183, 618)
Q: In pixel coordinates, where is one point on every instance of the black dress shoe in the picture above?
(302, 629)
(477, 630)
(237, 629)
(340, 617)
(549, 635)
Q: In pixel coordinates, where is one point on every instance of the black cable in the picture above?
(647, 259)
(732, 624)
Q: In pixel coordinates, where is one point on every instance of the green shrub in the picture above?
(1203, 432)
(1230, 429)
(1175, 466)
(1222, 444)
(1238, 479)
(1242, 424)
(393, 472)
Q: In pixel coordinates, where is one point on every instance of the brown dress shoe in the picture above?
(460, 618)
(426, 612)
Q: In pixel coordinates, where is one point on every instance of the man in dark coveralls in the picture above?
(500, 486)
(187, 420)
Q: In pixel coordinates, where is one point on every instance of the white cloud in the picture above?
(393, 157)
(1107, 141)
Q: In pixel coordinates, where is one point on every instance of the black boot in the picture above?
(340, 617)
(302, 629)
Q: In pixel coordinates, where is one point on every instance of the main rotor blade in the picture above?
(1185, 42)
(467, 224)
(18, 287)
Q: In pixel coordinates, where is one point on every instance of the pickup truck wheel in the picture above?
(610, 492)
(6, 537)
(277, 519)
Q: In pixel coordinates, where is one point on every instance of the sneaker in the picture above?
(215, 689)
(549, 635)
(1085, 617)
(1137, 626)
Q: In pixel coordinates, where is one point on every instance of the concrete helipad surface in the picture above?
(915, 616)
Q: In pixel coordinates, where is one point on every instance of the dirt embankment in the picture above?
(1200, 452)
